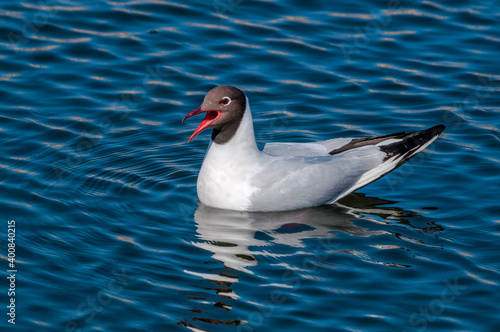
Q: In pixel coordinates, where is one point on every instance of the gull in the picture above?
(236, 175)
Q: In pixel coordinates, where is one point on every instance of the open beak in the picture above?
(210, 117)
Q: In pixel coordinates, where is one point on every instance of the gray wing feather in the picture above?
(320, 148)
(304, 181)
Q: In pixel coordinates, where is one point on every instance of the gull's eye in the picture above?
(225, 101)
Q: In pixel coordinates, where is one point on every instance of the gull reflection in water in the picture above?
(230, 234)
(234, 238)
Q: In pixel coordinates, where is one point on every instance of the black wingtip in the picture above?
(418, 138)
(411, 142)
(437, 130)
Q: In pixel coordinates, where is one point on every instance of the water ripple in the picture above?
(96, 171)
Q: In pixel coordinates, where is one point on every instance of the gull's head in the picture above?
(224, 107)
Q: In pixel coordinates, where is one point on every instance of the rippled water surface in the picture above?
(96, 171)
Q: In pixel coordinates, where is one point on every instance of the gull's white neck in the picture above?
(224, 178)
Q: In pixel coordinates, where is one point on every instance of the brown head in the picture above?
(224, 107)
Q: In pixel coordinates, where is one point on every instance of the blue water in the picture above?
(96, 171)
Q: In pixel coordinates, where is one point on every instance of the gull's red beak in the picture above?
(209, 118)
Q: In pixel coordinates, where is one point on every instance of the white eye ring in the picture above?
(224, 99)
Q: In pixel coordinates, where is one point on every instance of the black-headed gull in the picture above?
(236, 175)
